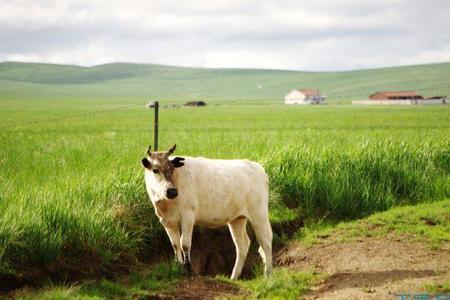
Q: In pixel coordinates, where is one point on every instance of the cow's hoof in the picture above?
(187, 267)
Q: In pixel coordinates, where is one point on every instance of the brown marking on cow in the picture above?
(162, 206)
(159, 163)
(239, 218)
(171, 224)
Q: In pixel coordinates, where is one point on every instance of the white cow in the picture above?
(211, 193)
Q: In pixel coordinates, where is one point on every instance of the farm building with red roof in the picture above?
(400, 95)
(400, 98)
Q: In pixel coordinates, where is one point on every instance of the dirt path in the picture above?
(369, 268)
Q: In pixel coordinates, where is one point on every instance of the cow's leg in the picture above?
(263, 232)
(238, 229)
(174, 236)
(187, 226)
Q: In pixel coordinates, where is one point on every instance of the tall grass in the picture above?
(104, 223)
(113, 219)
(342, 183)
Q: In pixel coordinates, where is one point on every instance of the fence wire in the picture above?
(75, 116)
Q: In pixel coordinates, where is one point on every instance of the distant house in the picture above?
(304, 96)
(400, 95)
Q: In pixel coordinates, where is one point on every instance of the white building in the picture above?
(304, 96)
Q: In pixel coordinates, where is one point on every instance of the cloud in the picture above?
(302, 35)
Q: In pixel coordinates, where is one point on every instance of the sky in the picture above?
(319, 35)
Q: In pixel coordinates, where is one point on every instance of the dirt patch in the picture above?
(369, 268)
(200, 288)
(213, 251)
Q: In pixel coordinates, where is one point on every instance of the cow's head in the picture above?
(162, 168)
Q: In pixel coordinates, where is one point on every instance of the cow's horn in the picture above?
(172, 150)
(148, 150)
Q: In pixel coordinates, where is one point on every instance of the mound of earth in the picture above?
(200, 288)
(369, 268)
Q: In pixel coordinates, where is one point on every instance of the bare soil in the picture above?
(200, 288)
(369, 268)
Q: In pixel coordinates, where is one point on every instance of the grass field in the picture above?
(73, 188)
(54, 85)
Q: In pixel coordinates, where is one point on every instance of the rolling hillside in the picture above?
(132, 82)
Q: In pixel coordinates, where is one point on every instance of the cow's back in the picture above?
(221, 190)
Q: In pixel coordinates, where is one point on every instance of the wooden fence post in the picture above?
(155, 129)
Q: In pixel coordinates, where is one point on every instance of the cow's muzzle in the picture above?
(172, 193)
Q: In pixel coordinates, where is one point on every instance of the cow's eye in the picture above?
(156, 171)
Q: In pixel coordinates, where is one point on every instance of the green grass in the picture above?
(438, 288)
(344, 183)
(427, 223)
(141, 283)
(73, 189)
(125, 83)
(55, 292)
(282, 284)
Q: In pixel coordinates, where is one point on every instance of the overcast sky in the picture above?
(281, 34)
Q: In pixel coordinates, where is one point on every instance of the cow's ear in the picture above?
(177, 162)
(146, 163)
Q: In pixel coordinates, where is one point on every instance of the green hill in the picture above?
(132, 82)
